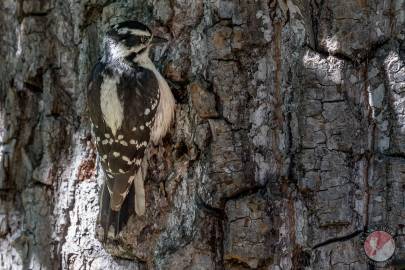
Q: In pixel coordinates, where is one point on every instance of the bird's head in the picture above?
(130, 40)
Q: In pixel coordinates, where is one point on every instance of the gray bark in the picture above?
(288, 140)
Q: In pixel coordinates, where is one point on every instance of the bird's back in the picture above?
(122, 139)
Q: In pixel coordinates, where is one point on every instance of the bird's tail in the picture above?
(113, 222)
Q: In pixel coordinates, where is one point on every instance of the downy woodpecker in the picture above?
(130, 106)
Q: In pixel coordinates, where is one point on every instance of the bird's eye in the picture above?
(143, 39)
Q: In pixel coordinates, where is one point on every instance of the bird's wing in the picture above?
(121, 155)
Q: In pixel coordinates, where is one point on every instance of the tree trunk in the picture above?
(288, 141)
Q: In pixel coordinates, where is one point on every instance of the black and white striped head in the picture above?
(129, 40)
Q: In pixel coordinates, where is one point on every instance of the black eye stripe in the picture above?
(140, 38)
(124, 36)
(131, 40)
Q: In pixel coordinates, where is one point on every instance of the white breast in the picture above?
(111, 107)
(165, 110)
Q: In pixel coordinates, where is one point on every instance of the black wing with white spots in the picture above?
(121, 153)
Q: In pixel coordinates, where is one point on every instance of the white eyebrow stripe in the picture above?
(136, 32)
(139, 32)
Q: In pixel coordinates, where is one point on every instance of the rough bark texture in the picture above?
(288, 140)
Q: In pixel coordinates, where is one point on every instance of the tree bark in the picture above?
(288, 141)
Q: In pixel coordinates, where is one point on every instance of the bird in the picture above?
(131, 107)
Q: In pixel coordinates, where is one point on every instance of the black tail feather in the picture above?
(118, 219)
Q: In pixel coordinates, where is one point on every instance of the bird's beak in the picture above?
(157, 40)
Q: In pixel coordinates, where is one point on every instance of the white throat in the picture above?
(144, 61)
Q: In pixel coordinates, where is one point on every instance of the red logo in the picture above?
(379, 246)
